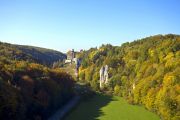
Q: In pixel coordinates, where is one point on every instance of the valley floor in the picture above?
(103, 107)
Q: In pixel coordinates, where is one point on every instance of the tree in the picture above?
(117, 90)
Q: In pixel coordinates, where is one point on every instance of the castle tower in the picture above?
(72, 54)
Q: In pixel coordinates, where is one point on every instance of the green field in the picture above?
(103, 107)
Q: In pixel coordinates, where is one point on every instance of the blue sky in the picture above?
(81, 24)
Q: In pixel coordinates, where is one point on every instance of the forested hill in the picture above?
(28, 90)
(144, 72)
(30, 53)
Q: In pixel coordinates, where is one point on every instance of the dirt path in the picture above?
(59, 114)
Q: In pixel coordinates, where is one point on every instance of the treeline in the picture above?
(30, 91)
(29, 53)
(145, 72)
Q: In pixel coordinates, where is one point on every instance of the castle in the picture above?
(71, 56)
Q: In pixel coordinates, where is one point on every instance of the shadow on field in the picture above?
(91, 109)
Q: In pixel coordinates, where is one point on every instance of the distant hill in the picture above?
(30, 53)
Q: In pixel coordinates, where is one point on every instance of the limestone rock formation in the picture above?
(103, 75)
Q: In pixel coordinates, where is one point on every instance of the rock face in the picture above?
(103, 75)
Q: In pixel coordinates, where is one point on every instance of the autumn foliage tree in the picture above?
(32, 91)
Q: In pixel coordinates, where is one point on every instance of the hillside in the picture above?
(30, 91)
(145, 72)
(30, 53)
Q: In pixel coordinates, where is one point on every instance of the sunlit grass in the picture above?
(103, 107)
